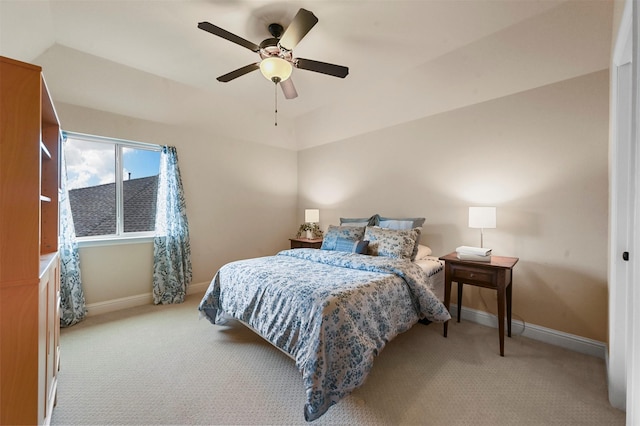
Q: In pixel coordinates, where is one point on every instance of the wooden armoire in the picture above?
(30, 143)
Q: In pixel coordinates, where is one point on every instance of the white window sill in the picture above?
(113, 241)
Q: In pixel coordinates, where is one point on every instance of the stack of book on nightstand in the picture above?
(478, 254)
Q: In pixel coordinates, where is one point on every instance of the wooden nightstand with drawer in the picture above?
(496, 275)
(315, 243)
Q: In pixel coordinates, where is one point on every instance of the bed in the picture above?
(332, 311)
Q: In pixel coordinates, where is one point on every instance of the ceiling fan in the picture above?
(276, 53)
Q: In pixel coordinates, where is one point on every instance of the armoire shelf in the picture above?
(45, 151)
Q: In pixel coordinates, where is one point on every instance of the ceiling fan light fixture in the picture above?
(276, 69)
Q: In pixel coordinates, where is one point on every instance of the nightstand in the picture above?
(496, 275)
(315, 243)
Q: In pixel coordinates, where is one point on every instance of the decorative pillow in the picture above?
(360, 247)
(358, 221)
(423, 251)
(353, 233)
(392, 242)
(403, 223)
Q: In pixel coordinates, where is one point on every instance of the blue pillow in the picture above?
(362, 247)
(350, 246)
(399, 223)
(358, 221)
(352, 233)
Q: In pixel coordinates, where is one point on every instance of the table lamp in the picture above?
(482, 217)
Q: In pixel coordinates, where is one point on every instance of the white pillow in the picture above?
(423, 251)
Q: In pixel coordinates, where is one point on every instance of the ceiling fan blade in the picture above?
(288, 89)
(299, 27)
(239, 72)
(209, 27)
(322, 67)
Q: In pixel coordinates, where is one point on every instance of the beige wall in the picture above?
(241, 202)
(540, 156)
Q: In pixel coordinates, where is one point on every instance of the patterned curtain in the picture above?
(171, 248)
(72, 303)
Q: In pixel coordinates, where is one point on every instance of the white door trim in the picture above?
(621, 225)
(633, 306)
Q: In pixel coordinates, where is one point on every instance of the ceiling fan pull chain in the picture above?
(275, 86)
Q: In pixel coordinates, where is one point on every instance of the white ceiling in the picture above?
(407, 59)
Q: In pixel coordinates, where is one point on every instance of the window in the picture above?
(112, 185)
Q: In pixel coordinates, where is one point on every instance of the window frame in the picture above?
(120, 237)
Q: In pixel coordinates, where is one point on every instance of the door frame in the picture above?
(623, 362)
(633, 325)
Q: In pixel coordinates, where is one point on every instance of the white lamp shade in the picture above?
(312, 215)
(482, 217)
(276, 67)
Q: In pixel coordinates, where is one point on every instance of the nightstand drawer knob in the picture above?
(471, 275)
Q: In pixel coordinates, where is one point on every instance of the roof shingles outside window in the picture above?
(94, 207)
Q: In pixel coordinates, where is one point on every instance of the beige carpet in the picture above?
(163, 365)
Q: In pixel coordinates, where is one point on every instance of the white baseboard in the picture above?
(137, 300)
(531, 331)
(536, 332)
(199, 288)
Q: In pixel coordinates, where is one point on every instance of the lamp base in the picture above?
(309, 235)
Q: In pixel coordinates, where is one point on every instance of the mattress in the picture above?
(434, 269)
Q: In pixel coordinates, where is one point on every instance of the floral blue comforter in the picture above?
(333, 312)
